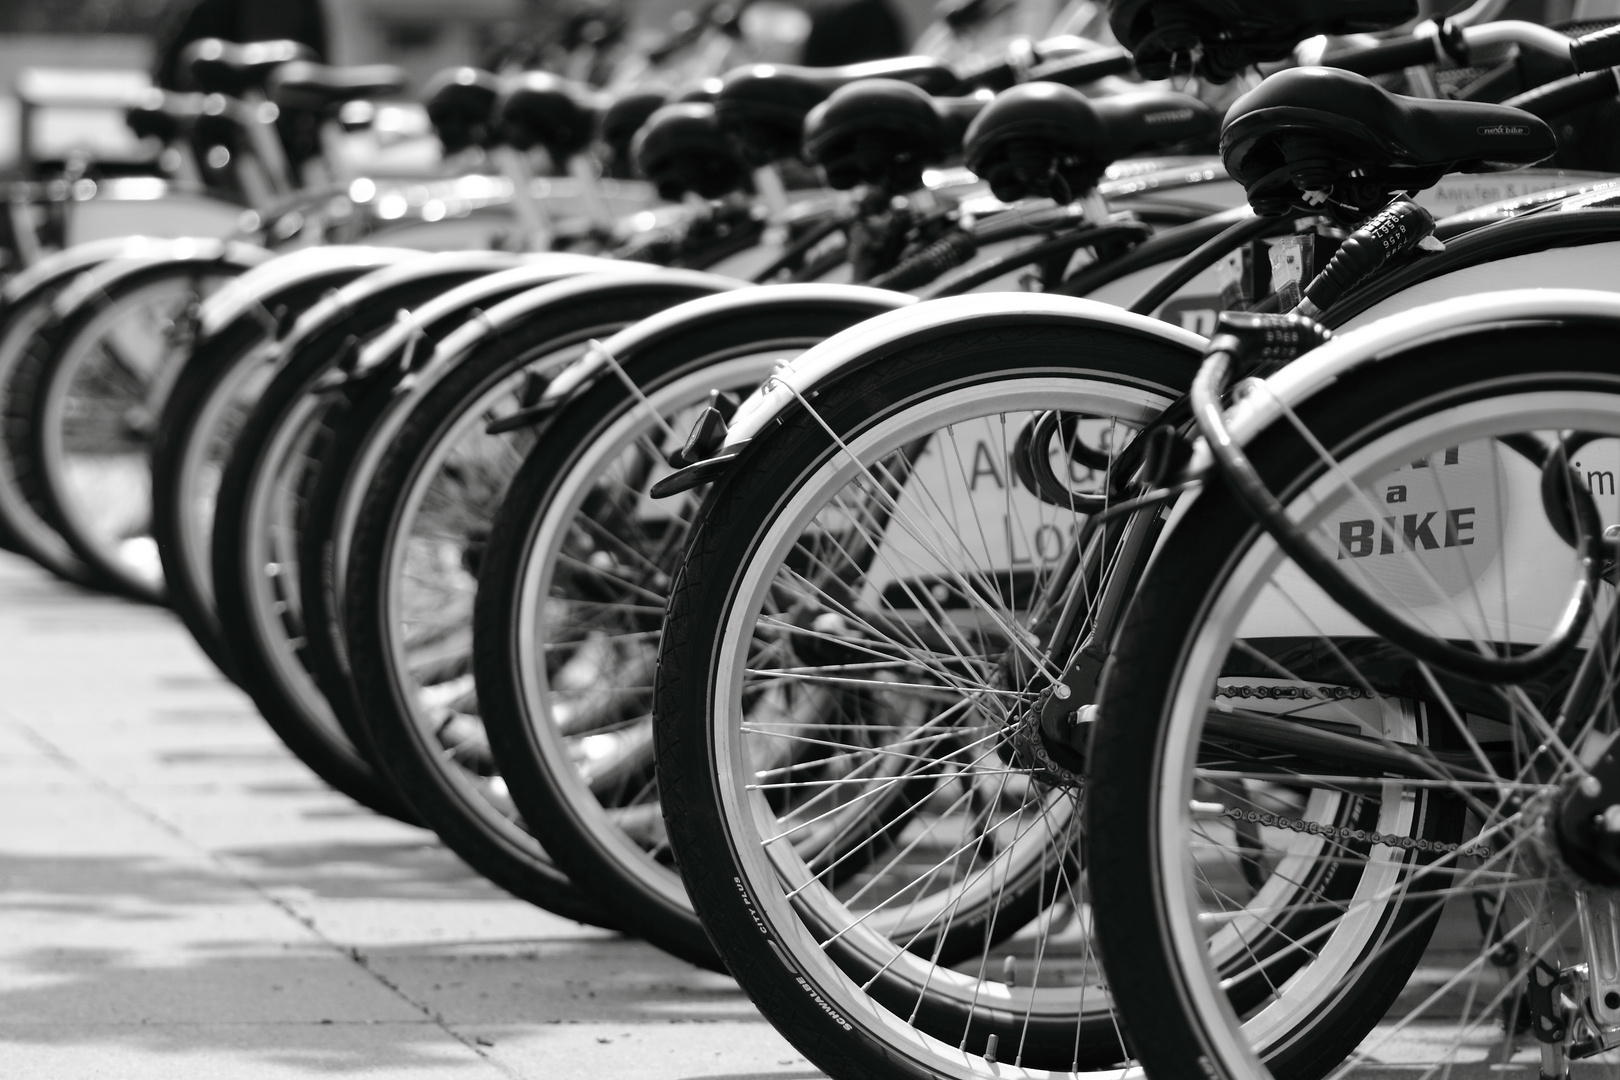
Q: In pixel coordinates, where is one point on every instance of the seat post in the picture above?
(772, 192)
(335, 151)
(582, 169)
(533, 220)
(266, 141)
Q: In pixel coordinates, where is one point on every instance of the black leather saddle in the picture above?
(705, 90)
(224, 67)
(762, 107)
(164, 115)
(460, 104)
(539, 109)
(885, 132)
(313, 87)
(680, 149)
(1045, 139)
(1230, 35)
(1325, 140)
(623, 118)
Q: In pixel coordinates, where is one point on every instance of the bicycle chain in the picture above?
(1360, 836)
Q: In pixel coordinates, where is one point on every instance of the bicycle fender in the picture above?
(95, 285)
(531, 271)
(1391, 337)
(243, 294)
(493, 323)
(871, 341)
(626, 345)
(58, 266)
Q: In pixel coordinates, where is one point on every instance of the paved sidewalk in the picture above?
(180, 897)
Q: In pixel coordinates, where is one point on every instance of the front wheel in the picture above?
(108, 374)
(1264, 766)
(846, 691)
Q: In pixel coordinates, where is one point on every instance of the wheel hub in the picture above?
(1587, 824)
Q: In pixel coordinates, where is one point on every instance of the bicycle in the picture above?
(840, 573)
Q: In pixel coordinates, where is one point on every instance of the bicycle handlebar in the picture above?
(1570, 92)
(1085, 68)
(1388, 57)
(1597, 51)
(1070, 69)
(1454, 41)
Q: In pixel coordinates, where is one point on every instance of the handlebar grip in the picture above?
(1594, 52)
(1085, 68)
(1383, 59)
(1571, 92)
(998, 76)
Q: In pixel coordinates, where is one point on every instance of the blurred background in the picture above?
(53, 52)
(111, 45)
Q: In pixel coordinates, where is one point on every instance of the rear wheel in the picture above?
(22, 508)
(570, 601)
(412, 577)
(1256, 739)
(108, 373)
(851, 668)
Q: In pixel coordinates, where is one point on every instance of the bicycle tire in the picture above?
(102, 387)
(856, 1006)
(1214, 570)
(197, 415)
(254, 605)
(676, 374)
(20, 508)
(449, 798)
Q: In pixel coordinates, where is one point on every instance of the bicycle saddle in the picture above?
(1327, 140)
(705, 90)
(460, 103)
(303, 84)
(680, 149)
(164, 115)
(537, 108)
(1230, 35)
(762, 107)
(224, 67)
(624, 117)
(879, 131)
(1046, 139)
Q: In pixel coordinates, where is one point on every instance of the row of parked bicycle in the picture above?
(983, 635)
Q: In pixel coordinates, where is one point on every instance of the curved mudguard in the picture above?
(256, 290)
(96, 285)
(510, 313)
(871, 341)
(1390, 338)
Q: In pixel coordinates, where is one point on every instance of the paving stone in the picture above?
(183, 897)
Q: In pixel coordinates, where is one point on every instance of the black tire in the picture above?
(849, 1016)
(646, 900)
(216, 366)
(21, 501)
(1164, 650)
(456, 802)
(104, 375)
(372, 406)
(257, 604)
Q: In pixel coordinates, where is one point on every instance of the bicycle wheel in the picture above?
(202, 419)
(857, 795)
(413, 566)
(107, 370)
(260, 515)
(374, 406)
(570, 599)
(23, 517)
(1259, 746)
